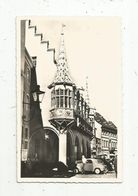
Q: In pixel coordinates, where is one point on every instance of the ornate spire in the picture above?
(87, 92)
(62, 75)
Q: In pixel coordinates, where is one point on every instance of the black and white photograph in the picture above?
(69, 99)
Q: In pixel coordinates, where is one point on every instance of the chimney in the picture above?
(34, 60)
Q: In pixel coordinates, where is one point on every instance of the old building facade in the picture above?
(108, 138)
(75, 130)
(31, 118)
(69, 114)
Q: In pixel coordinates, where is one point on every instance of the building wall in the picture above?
(78, 144)
(67, 106)
(45, 148)
(31, 116)
(96, 141)
(108, 142)
(26, 85)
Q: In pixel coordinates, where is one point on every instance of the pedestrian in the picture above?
(83, 161)
(115, 165)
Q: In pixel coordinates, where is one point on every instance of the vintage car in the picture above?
(92, 165)
(109, 162)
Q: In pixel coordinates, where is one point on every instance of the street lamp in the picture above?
(38, 95)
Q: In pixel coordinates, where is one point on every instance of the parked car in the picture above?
(93, 165)
(79, 166)
(108, 161)
(60, 170)
(109, 164)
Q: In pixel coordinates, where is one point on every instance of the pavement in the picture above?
(107, 175)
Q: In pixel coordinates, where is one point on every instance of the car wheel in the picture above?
(97, 171)
(76, 171)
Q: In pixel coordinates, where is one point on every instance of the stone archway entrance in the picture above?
(77, 150)
(41, 146)
(70, 149)
(50, 145)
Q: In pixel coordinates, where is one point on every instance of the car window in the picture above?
(79, 161)
(89, 161)
(99, 161)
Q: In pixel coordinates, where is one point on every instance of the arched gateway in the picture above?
(44, 145)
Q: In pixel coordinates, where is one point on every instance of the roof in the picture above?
(105, 124)
(62, 75)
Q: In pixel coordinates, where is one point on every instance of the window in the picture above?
(25, 144)
(69, 102)
(61, 92)
(89, 161)
(69, 92)
(106, 144)
(57, 103)
(66, 92)
(61, 101)
(62, 98)
(68, 98)
(57, 92)
(99, 161)
(26, 133)
(66, 102)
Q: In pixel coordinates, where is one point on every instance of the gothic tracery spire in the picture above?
(62, 74)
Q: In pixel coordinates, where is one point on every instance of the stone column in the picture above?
(63, 147)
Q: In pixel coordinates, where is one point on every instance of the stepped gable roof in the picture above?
(105, 124)
(100, 119)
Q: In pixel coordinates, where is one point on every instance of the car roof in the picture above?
(92, 159)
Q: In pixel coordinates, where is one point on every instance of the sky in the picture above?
(93, 48)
